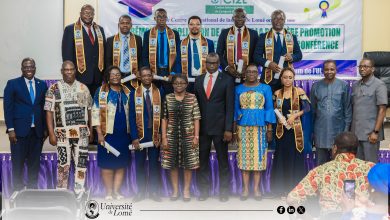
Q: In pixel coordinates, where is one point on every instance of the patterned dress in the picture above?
(180, 132)
(253, 111)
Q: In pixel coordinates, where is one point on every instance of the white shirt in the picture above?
(206, 80)
(276, 38)
(194, 71)
(28, 88)
(86, 29)
(28, 85)
(122, 37)
(150, 93)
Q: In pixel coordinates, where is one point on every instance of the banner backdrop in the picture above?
(325, 29)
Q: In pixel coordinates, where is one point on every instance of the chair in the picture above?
(35, 213)
(382, 67)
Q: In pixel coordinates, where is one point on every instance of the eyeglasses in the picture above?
(208, 62)
(179, 83)
(364, 67)
(28, 67)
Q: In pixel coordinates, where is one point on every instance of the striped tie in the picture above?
(126, 56)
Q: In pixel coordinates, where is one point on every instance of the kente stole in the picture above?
(153, 48)
(297, 126)
(139, 111)
(269, 50)
(79, 46)
(230, 49)
(184, 54)
(116, 55)
(103, 96)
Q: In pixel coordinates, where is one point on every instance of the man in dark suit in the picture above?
(83, 44)
(24, 98)
(161, 50)
(124, 50)
(271, 46)
(215, 93)
(145, 127)
(193, 61)
(236, 43)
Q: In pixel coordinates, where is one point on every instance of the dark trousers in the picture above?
(154, 167)
(92, 88)
(27, 149)
(223, 168)
(323, 155)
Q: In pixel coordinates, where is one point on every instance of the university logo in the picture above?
(92, 209)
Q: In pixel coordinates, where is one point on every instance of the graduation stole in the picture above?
(269, 50)
(139, 111)
(103, 95)
(116, 55)
(245, 44)
(297, 126)
(79, 46)
(153, 48)
(184, 54)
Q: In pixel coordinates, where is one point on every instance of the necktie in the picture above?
(239, 46)
(32, 97)
(90, 35)
(278, 45)
(149, 108)
(126, 56)
(209, 85)
(161, 51)
(195, 54)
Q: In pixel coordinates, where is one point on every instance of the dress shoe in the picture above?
(139, 197)
(173, 198)
(203, 197)
(118, 196)
(155, 197)
(223, 198)
(258, 196)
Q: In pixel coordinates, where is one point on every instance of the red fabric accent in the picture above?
(91, 35)
(209, 84)
(239, 46)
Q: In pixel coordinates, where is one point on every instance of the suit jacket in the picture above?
(217, 112)
(18, 108)
(92, 74)
(221, 47)
(211, 50)
(109, 54)
(259, 57)
(145, 52)
(132, 118)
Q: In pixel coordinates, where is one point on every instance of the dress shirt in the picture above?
(194, 71)
(206, 80)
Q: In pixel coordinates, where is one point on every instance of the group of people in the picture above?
(178, 103)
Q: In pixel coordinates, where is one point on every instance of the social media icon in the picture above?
(301, 210)
(281, 210)
(291, 210)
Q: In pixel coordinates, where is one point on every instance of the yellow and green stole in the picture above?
(139, 111)
(79, 46)
(153, 48)
(103, 95)
(116, 55)
(269, 50)
(297, 126)
(245, 45)
(184, 54)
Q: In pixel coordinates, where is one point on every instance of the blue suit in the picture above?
(260, 59)
(210, 44)
(18, 111)
(140, 155)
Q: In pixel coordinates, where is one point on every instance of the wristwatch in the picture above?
(375, 131)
